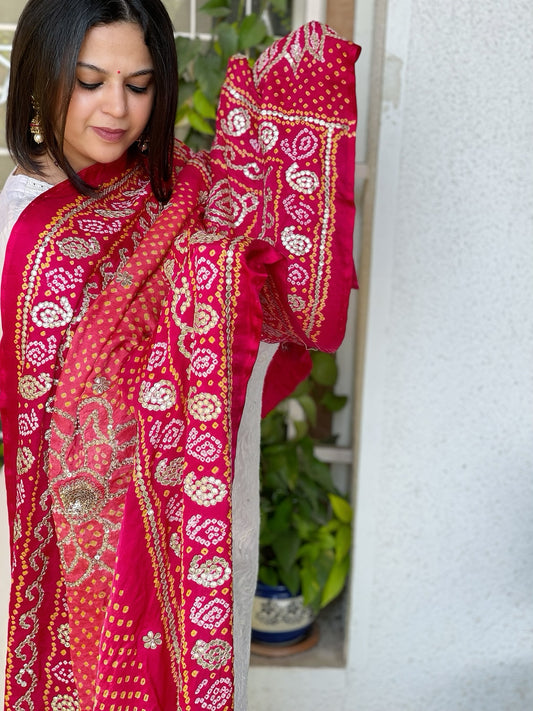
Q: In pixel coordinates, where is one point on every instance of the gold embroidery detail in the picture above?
(169, 473)
(211, 655)
(31, 387)
(79, 499)
(64, 702)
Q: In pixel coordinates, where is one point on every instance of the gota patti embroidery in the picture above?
(136, 332)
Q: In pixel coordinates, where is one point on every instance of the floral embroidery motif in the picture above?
(211, 655)
(206, 491)
(100, 385)
(47, 314)
(303, 181)
(79, 499)
(205, 407)
(212, 613)
(295, 243)
(211, 572)
(237, 122)
(157, 396)
(216, 696)
(214, 530)
(152, 640)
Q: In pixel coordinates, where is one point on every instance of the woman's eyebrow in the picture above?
(94, 68)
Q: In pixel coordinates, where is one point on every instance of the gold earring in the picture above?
(35, 124)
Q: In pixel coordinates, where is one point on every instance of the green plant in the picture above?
(306, 523)
(202, 64)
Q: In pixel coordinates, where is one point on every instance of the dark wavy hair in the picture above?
(45, 51)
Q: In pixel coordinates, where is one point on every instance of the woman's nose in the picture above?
(115, 101)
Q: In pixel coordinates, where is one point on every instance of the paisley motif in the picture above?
(295, 243)
(303, 181)
(210, 573)
(208, 532)
(213, 654)
(209, 613)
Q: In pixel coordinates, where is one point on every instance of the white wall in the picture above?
(442, 593)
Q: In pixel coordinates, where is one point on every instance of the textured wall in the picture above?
(441, 601)
(443, 605)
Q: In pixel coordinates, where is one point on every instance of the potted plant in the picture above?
(305, 536)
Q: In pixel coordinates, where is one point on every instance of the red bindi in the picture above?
(118, 71)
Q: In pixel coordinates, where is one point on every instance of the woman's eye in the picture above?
(137, 89)
(89, 86)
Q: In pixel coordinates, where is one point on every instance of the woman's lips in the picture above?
(111, 135)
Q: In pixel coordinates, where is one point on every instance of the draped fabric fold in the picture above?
(132, 329)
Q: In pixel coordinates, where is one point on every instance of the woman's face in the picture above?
(113, 95)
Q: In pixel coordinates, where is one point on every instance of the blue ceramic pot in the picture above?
(278, 617)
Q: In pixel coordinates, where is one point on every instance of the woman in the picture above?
(139, 281)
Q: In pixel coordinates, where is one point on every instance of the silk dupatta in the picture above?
(131, 330)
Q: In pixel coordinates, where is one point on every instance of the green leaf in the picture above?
(335, 582)
(310, 588)
(291, 579)
(280, 6)
(228, 40)
(308, 405)
(341, 508)
(209, 75)
(324, 370)
(268, 575)
(199, 123)
(203, 106)
(343, 542)
(216, 8)
(187, 50)
(281, 518)
(286, 549)
(333, 402)
(251, 32)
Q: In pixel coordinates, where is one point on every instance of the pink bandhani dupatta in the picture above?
(132, 329)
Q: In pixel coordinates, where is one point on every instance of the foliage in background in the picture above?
(306, 523)
(202, 64)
